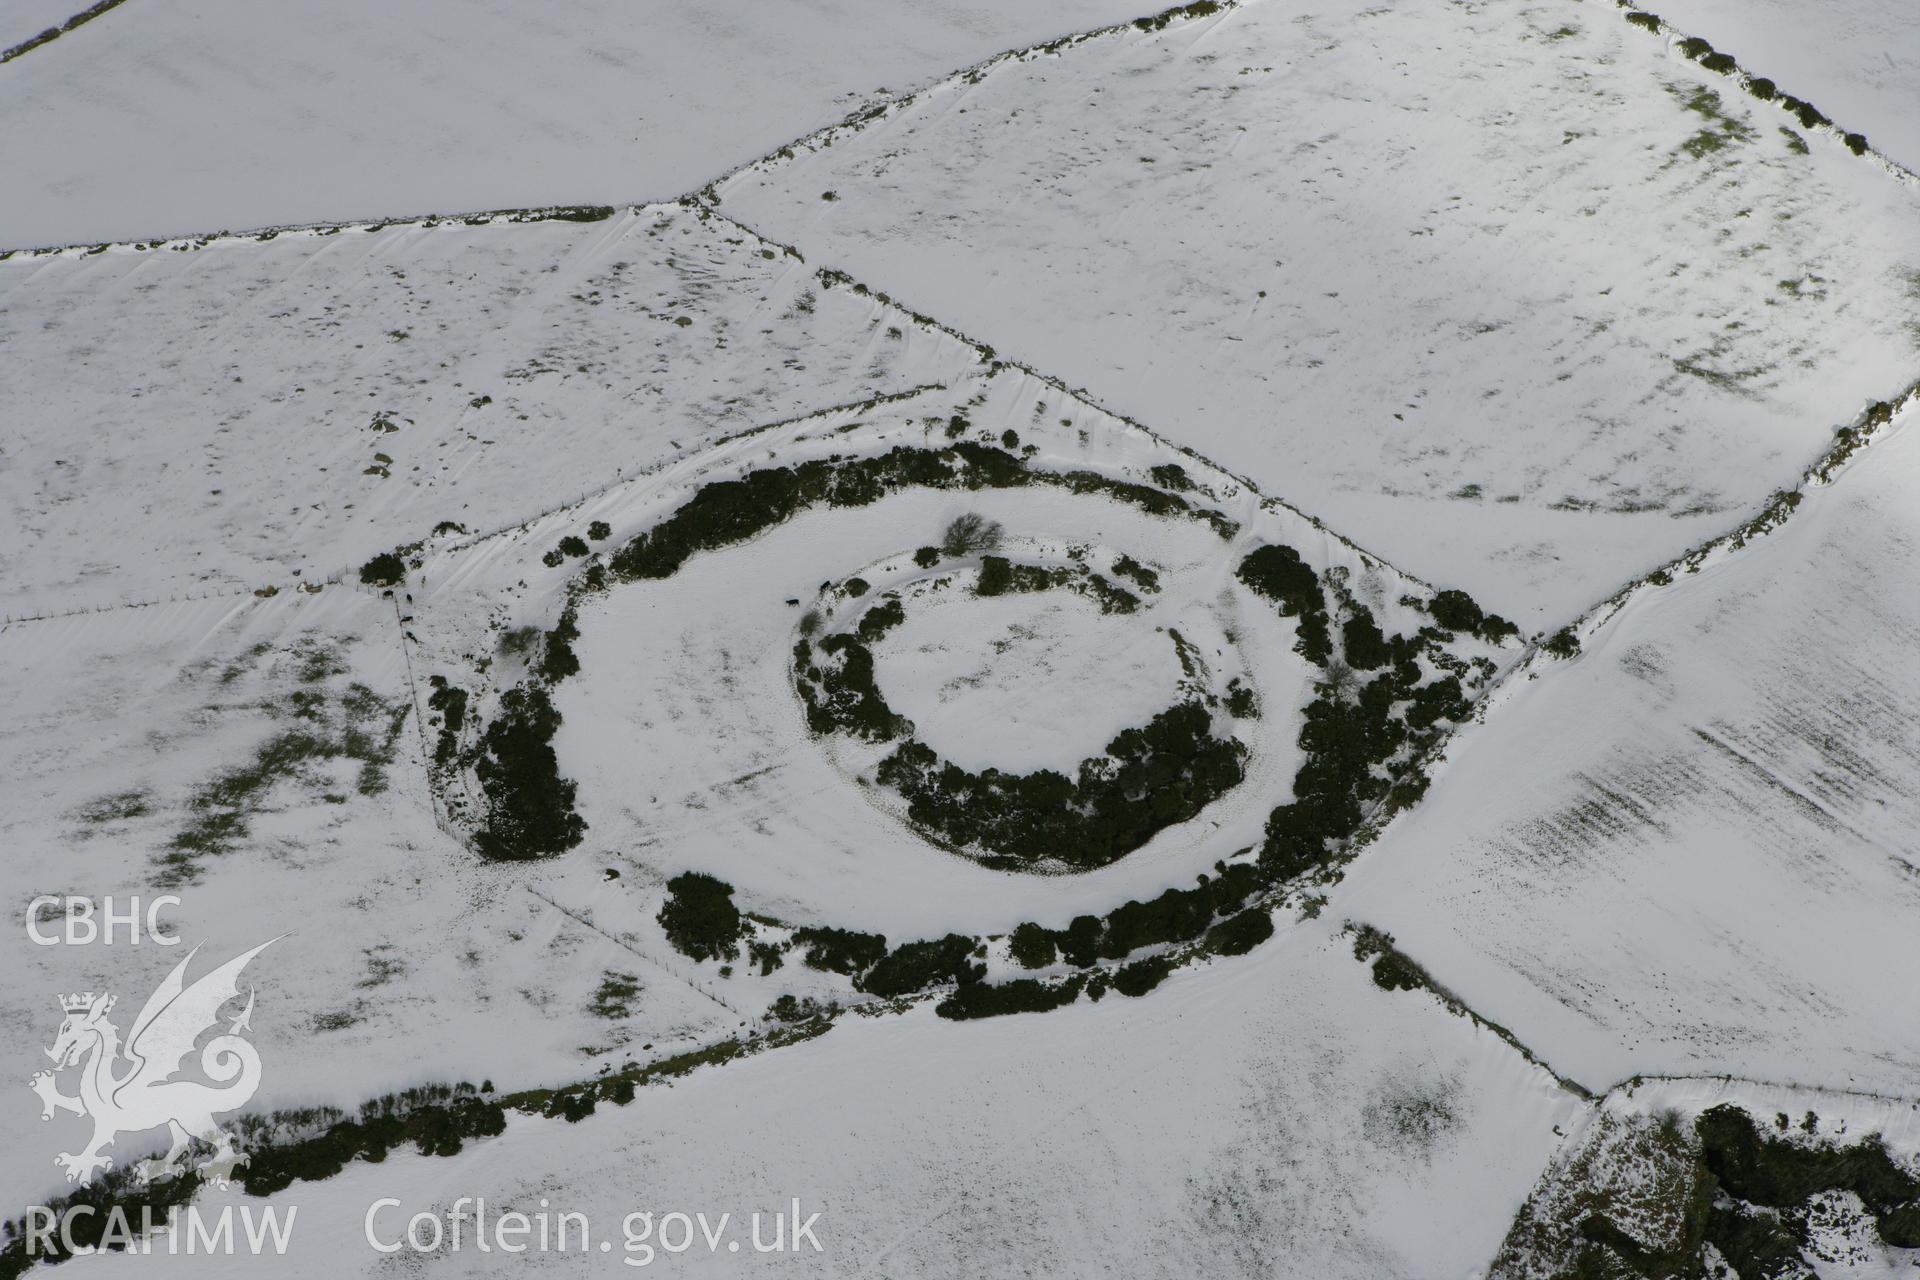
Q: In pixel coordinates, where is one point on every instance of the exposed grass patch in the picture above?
(613, 999)
(330, 725)
(122, 806)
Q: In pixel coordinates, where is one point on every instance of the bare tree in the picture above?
(970, 533)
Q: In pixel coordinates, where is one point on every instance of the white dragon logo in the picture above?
(145, 1094)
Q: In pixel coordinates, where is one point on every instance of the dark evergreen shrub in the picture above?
(700, 919)
(1857, 143)
(1240, 934)
(599, 530)
(1032, 947)
(1494, 629)
(840, 692)
(451, 703)
(529, 806)
(916, 966)
(1901, 1227)
(927, 557)
(1754, 1166)
(1141, 976)
(1080, 944)
(1145, 578)
(1456, 611)
(1198, 9)
(1021, 995)
(1363, 645)
(384, 570)
(1440, 700)
(1172, 475)
(996, 576)
(557, 658)
(1149, 779)
(840, 950)
(573, 545)
(1241, 701)
(1177, 915)
(1563, 643)
(880, 619)
(1763, 89)
(1278, 573)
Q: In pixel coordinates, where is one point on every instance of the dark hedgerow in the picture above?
(1810, 115)
(529, 806)
(1360, 739)
(700, 919)
(1021, 995)
(1158, 21)
(726, 512)
(836, 683)
(1178, 915)
(1175, 916)
(840, 950)
(916, 966)
(436, 1129)
(1148, 779)
(1393, 969)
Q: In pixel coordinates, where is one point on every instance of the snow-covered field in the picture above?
(1278, 1115)
(1530, 341)
(182, 118)
(1854, 59)
(247, 413)
(1691, 851)
(404, 956)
